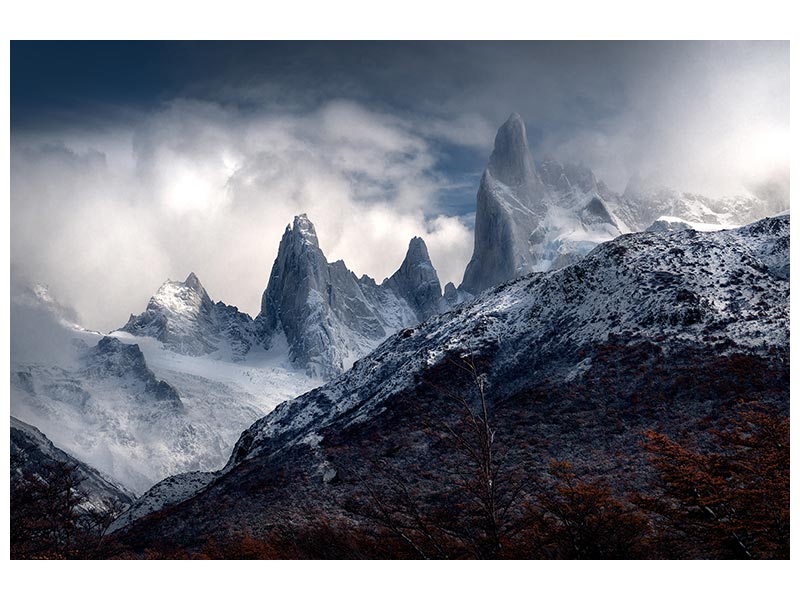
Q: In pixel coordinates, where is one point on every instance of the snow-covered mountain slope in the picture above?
(32, 454)
(533, 217)
(329, 316)
(131, 407)
(687, 286)
(164, 494)
(655, 330)
(183, 317)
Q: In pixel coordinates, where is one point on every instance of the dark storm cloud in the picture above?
(632, 99)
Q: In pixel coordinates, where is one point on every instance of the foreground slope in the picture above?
(666, 331)
(32, 454)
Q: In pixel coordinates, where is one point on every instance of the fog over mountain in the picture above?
(399, 300)
(142, 163)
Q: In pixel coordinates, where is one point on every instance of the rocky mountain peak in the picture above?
(303, 229)
(417, 252)
(115, 357)
(183, 316)
(416, 280)
(193, 282)
(511, 161)
(329, 316)
(535, 217)
(188, 297)
(511, 204)
(450, 293)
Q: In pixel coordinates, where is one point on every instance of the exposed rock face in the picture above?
(541, 217)
(32, 453)
(511, 164)
(416, 281)
(510, 208)
(187, 321)
(452, 297)
(329, 316)
(636, 336)
(113, 359)
(532, 220)
(111, 411)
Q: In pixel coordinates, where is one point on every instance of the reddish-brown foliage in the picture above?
(732, 502)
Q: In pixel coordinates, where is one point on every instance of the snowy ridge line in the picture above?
(639, 286)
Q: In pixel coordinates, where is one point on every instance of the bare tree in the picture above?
(464, 506)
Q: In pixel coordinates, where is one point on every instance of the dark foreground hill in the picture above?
(632, 404)
(60, 506)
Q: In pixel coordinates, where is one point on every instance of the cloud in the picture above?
(197, 186)
(705, 118)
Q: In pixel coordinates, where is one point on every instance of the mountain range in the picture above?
(659, 330)
(586, 329)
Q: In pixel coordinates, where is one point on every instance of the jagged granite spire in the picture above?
(328, 315)
(531, 218)
(511, 162)
(299, 267)
(416, 280)
(192, 282)
(511, 205)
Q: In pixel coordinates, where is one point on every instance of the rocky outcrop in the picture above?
(511, 207)
(416, 281)
(530, 219)
(113, 359)
(187, 321)
(329, 316)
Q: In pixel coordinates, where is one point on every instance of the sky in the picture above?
(135, 162)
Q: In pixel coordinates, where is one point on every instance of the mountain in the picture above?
(109, 410)
(330, 317)
(33, 454)
(326, 315)
(183, 317)
(530, 219)
(669, 331)
(130, 406)
(171, 391)
(416, 281)
(535, 217)
(646, 200)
